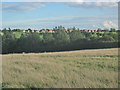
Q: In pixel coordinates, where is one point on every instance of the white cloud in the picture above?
(106, 24)
(107, 0)
(60, 0)
(22, 6)
(67, 21)
(93, 4)
(96, 26)
(113, 24)
(109, 24)
(27, 6)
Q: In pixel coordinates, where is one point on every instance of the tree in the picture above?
(106, 30)
(30, 29)
(7, 35)
(99, 29)
(107, 38)
(55, 28)
(114, 35)
(29, 42)
(61, 37)
(112, 30)
(94, 36)
(76, 35)
(4, 30)
(9, 29)
(8, 42)
(61, 27)
(60, 40)
(48, 38)
(73, 28)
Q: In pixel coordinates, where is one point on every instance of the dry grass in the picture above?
(75, 69)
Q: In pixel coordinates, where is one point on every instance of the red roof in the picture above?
(50, 30)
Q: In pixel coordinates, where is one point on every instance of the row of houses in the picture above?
(51, 30)
(92, 30)
(42, 31)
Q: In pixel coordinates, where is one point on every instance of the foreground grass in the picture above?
(74, 69)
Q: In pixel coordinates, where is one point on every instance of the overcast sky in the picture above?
(37, 15)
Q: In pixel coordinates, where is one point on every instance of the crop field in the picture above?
(96, 68)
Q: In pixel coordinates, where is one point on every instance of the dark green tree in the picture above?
(48, 37)
(112, 30)
(61, 37)
(76, 35)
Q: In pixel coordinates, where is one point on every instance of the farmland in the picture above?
(95, 68)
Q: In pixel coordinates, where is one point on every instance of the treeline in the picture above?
(58, 41)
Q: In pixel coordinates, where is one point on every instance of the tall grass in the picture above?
(74, 69)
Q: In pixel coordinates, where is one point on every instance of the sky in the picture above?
(38, 15)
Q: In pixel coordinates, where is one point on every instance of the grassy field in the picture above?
(96, 68)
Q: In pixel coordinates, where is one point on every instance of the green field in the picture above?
(96, 68)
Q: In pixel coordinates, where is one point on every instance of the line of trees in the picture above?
(58, 41)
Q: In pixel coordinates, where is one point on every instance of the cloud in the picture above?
(106, 24)
(109, 24)
(28, 6)
(107, 0)
(113, 24)
(60, 0)
(67, 21)
(96, 26)
(92, 4)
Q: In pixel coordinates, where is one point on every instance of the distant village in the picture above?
(66, 30)
(51, 30)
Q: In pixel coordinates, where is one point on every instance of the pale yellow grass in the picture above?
(74, 69)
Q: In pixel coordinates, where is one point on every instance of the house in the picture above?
(43, 31)
(28, 30)
(54, 30)
(66, 30)
(102, 30)
(92, 30)
(89, 30)
(23, 30)
(70, 30)
(85, 30)
(95, 30)
(32, 31)
(50, 30)
(37, 31)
